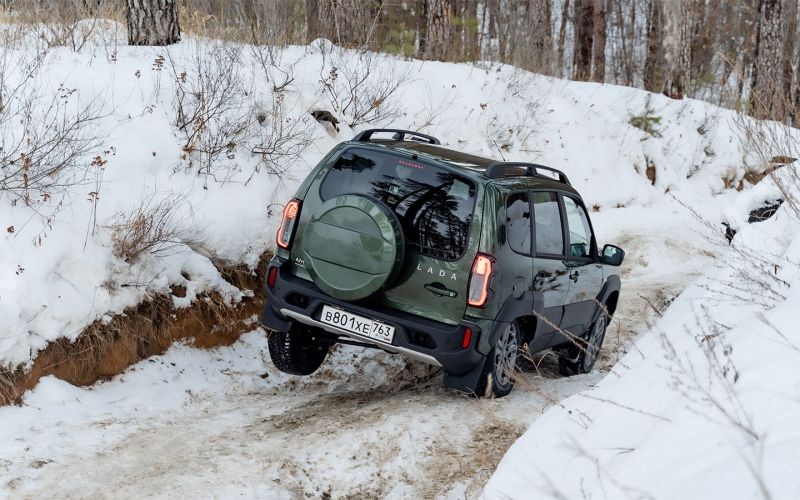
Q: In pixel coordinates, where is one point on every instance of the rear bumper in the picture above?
(295, 299)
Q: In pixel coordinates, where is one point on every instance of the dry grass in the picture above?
(153, 227)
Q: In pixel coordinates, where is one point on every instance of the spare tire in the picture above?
(353, 247)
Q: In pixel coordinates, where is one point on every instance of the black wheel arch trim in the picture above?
(612, 284)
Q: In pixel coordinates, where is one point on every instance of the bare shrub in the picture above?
(49, 138)
(283, 138)
(68, 23)
(283, 134)
(213, 115)
(357, 90)
(153, 227)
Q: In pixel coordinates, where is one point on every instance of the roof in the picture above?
(472, 164)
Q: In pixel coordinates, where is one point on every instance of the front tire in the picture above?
(499, 369)
(581, 357)
(300, 351)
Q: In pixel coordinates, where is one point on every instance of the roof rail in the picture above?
(505, 169)
(399, 135)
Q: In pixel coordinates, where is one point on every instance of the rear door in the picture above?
(550, 273)
(435, 207)
(585, 272)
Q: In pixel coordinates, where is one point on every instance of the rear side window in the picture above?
(433, 205)
(549, 236)
(518, 223)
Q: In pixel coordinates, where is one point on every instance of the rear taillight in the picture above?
(286, 230)
(479, 280)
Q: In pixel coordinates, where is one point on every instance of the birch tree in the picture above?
(677, 47)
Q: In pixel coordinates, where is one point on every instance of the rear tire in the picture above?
(300, 351)
(497, 378)
(581, 358)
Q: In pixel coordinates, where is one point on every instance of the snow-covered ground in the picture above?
(224, 421)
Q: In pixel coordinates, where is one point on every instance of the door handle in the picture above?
(574, 275)
(440, 290)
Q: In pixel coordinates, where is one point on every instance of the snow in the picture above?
(55, 286)
(704, 405)
(223, 422)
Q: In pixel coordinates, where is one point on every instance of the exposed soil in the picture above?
(105, 349)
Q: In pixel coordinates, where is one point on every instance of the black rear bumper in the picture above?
(295, 299)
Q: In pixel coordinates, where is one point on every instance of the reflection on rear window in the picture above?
(433, 205)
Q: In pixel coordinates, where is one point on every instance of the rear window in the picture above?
(433, 205)
(547, 214)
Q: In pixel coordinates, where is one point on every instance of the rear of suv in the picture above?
(451, 259)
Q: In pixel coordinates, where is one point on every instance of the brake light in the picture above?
(286, 229)
(479, 280)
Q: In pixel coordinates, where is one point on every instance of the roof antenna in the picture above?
(499, 150)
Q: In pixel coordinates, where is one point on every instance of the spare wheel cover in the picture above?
(353, 246)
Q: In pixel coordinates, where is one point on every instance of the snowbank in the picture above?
(704, 406)
(58, 268)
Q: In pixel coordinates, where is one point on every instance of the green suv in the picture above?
(452, 259)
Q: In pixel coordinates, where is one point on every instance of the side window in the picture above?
(580, 233)
(518, 222)
(549, 238)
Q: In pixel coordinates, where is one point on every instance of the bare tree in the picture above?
(541, 35)
(440, 29)
(599, 49)
(348, 22)
(312, 20)
(562, 35)
(767, 90)
(677, 44)
(471, 45)
(653, 57)
(152, 22)
(789, 84)
(584, 31)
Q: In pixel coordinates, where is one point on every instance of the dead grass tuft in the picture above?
(150, 228)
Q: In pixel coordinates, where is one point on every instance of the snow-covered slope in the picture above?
(705, 405)
(58, 271)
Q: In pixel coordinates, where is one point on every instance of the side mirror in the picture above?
(612, 255)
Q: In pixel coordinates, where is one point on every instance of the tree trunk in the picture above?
(541, 37)
(562, 34)
(422, 27)
(767, 100)
(312, 21)
(677, 45)
(440, 29)
(653, 56)
(343, 21)
(789, 84)
(471, 51)
(152, 22)
(599, 49)
(584, 28)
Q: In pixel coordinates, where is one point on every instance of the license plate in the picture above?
(357, 324)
